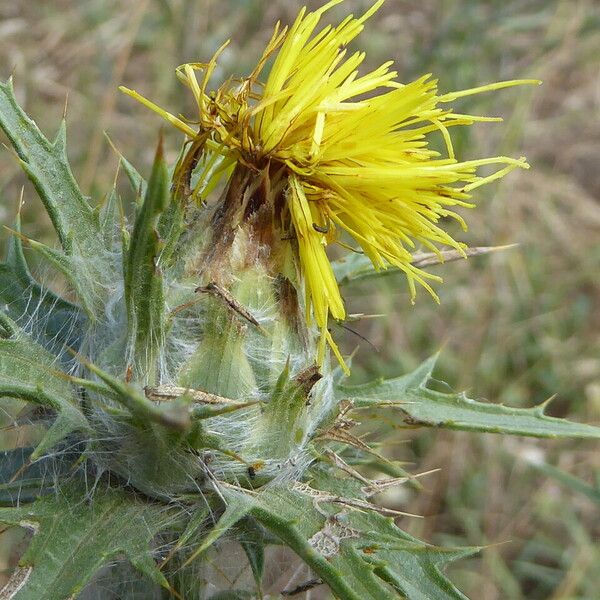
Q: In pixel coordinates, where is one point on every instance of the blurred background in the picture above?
(516, 327)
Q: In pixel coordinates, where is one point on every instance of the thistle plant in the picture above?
(189, 385)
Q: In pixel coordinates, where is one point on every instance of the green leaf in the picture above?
(236, 509)
(108, 218)
(53, 321)
(194, 526)
(138, 183)
(360, 555)
(413, 568)
(252, 540)
(17, 479)
(22, 480)
(75, 536)
(220, 364)
(280, 428)
(8, 328)
(174, 415)
(29, 373)
(46, 165)
(121, 581)
(70, 268)
(255, 553)
(170, 227)
(426, 407)
(144, 294)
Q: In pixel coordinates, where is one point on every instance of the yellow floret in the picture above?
(355, 148)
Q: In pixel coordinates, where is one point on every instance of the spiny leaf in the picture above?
(427, 407)
(170, 227)
(413, 568)
(255, 553)
(8, 327)
(108, 219)
(173, 415)
(193, 528)
(23, 480)
(70, 268)
(144, 294)
(281, 425)
(253, 538)
(46, 165)
(220, 365)
(208, 411)
(356, 553)
(55, 322)
(138, 183)
(75, 536)
(237, 508)
(28, 372)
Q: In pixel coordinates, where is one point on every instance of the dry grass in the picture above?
(517, 327)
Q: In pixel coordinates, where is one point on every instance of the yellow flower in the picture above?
(354, 147)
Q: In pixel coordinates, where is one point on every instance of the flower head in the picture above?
(355, 149)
